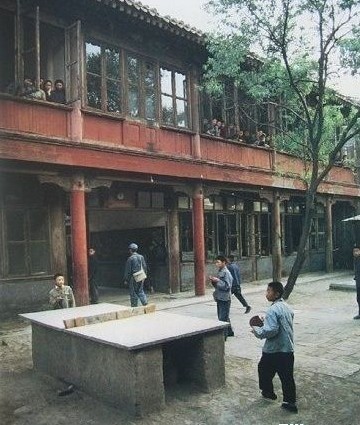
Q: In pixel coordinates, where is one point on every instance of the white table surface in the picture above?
(130, 333)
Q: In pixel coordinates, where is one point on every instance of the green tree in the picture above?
(300, 43)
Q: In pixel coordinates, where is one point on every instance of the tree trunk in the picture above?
(301, 252)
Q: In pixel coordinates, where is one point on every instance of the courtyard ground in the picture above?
(327, 368)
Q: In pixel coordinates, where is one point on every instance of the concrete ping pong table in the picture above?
(128, 362)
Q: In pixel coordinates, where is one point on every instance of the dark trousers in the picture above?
(238, 295)
(94, 291)
(223, 313)
(283, 365)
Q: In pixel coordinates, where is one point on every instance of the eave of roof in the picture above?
(144, 13)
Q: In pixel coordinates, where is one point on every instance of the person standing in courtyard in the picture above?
(356, 254)
(61, 296)
(234, 269)
(135, 275)
(278, 350)
(222, 283)
(92, 275)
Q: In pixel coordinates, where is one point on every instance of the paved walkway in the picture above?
(327, 367)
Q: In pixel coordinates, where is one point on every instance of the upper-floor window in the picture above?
(103, 78)
(174, 99)
(142, 85)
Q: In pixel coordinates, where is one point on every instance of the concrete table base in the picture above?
(130, 363)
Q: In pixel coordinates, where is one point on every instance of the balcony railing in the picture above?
(30, 118)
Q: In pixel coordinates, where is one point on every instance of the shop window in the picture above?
(226, 234)
(210, 235)
(291, 212)
(174, 99)
(27, 242)
(186, 236)
(262, 228)
(317, 230)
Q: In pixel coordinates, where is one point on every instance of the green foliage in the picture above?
(300, 43)
(295, 66)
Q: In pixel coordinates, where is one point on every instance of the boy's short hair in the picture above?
(56, 275)
(277, 287)
(231, 257)
(221, 258)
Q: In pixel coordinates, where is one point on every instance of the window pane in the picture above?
(218, 202)
(133, 69)
(15, 225)
(183, 202)
(209, 232)
(29, 58)
(38, 222)
(112, 64)
(208, 203)
(39, 257)
(232, 230)
(150, 77)
(144, 199)
(180, 85)
(181, 113)
(186, 232)
(16, 254)
(221, 235)
(133, 101)
(167, 109)
(93, 58)
(113, 95)
(230, 203)
(150, 106)
(233, 245)
(166, 81)
(157, 200)
(94, 91)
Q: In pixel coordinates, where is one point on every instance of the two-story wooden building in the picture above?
(125, 159)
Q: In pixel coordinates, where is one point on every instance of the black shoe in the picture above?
(357, 317)
(270, 396)
(231, 334)
(291, 407)
(248, 308)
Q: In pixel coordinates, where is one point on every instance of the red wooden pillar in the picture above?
(79, 243)
(174, 251)
(199, 240)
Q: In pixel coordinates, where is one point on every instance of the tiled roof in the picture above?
(151, 16)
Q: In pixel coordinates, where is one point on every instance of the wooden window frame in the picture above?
(173, 96)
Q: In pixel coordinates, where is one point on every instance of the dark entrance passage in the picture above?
(111, 236)
(343, 236)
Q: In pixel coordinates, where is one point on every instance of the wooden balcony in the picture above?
(34, 117)
(42, 132)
